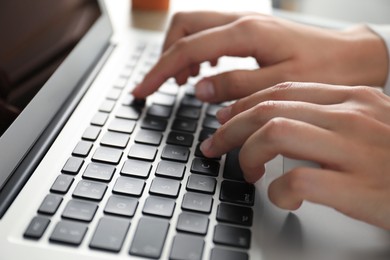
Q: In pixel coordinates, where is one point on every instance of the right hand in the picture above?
(345, 130)
(285, 51)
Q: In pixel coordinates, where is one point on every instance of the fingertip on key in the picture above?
(206, 146)
(137, 92)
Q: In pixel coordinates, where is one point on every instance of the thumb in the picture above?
(236, 84)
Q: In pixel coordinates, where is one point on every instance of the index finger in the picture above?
(316, 93)
(207, 45)
(187, 23)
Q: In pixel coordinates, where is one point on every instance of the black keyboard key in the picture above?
(232, 168)
(121, 206)
(128, 112)
(80, 210)
(73, 165)
(188, 112)
(175, 153)
(82, 149)
(110, 234)
(148, 137)
(122, 125)
(189, 90)
(143, 152)
(69, 232)
(212, 109)
(232, 236)
(186, 247)
(99, 119)
(107, 155)
(198, 153)
(129, 100)
(201, 183)
(91, 133)
(177, 138)
(237, 192)
(165, 187)
(159, 111)
(197, 202)
(191, 101)
(99, 172)
(136, 168)
(225, 254)
(205, 166)
(235, 214)
(205, 133)
(115, 139)
(149, 237)
(50, 204)
(162, 99)
(193, 223)
(153, 123)
(185, 125)
(37, 227)
(62, 184)
(157, 206)
(90, 190)
(129, 186)
(170, 169)
(211, 122)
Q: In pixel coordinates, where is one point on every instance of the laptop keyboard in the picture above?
(139, 167)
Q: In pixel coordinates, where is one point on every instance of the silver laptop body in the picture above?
(89, 173)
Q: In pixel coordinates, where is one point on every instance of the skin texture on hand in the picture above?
(285, 51)
(346, 130)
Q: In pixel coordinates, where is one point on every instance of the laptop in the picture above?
(87, 172)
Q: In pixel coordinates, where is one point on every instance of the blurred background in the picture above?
(349, 11)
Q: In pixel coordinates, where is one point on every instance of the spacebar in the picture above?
(149, 237)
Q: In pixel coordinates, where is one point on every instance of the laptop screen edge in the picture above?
(28, 127)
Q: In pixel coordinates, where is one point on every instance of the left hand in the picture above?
(285, 51)
(346, 130)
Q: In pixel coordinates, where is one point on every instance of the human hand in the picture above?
(285, 51)
(346, 130)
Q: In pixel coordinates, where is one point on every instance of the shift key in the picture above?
(149, 237)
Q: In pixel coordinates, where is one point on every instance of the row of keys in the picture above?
(231, 191)
(160, 186)
(148, 240)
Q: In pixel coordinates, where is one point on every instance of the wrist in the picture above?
(366, 56)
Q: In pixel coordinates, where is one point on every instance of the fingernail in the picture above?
(204, 90)
(205, 146)
(224, 114)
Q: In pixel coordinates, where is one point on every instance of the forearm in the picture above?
(365, 56)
